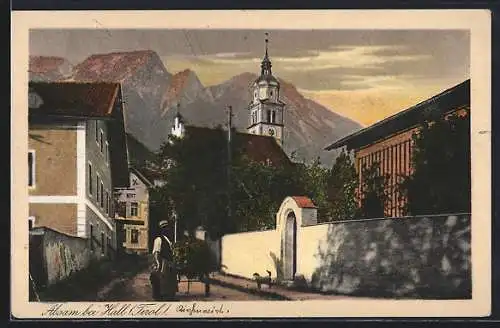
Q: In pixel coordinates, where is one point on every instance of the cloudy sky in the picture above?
(365, 75)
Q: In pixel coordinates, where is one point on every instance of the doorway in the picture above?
(290, 247)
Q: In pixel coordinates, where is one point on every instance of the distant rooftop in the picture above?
(258, 148)
(79, 99)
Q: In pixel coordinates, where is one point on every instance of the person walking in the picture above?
(164, 274)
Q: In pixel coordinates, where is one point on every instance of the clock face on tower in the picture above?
(271, 131)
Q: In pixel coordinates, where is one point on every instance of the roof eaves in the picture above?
(345, 141)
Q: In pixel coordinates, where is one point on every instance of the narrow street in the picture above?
(138, 288)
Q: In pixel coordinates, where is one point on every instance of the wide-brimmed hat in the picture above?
(163, 224)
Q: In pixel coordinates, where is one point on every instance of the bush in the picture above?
(193, 258)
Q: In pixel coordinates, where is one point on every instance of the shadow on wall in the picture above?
(278, 266)
(422, 257)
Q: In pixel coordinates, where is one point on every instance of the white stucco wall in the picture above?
(414, 256)
(311, 239)
(244, 254)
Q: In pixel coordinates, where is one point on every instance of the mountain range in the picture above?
(153, 95)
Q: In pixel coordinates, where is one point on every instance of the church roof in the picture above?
(260, 149)
(267, 101)
(266, 77)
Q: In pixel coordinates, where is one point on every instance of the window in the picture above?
(31, 168)
(273, 116)
(31, 222)
(110, 208)
(102, 195)
(133, 209)
(121, 209)
(97, 131)
(106, 202)
(97, 188)
(101, 141)
(268, 115)
(102, 243)
(134, 236)
(90, 179)
(106, 153)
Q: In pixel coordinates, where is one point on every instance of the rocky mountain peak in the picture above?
(49, 68)
(117, 66)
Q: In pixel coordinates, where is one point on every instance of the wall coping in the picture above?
(41, 231)
(409, 217)
(253, 231)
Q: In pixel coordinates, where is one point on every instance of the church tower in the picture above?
(266, 109)
(178, 129)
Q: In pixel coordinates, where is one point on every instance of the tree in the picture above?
(194, 171)
(341, 188)
(314, 184)
(258, 190)
(373, 197)
(441, 179)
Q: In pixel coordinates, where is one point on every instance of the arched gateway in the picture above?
(294, 212)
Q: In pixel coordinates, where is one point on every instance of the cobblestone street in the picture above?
(138, 288)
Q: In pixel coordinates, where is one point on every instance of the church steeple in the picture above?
(266, 109)
(266, 62)
(178, 128)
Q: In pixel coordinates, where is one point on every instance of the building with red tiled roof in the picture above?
(257, 148)
(304, 202)
(77, 156)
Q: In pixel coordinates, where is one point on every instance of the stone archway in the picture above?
(290, 247)
(294, 212)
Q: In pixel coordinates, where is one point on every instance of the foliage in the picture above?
(195, 173)
(341, 188)
(441, 181)
(257, 192)
(373, 197)
(314, 182)
(193, 257)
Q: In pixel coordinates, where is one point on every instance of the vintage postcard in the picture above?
(249, 164)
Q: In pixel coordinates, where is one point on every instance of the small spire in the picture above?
(178, 115)
(267, 42)
(266, 63)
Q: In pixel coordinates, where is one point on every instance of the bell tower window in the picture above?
(268, 116)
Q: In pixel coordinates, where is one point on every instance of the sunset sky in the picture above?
(365, 75)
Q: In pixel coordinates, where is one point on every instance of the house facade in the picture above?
(132, 214)
(390, 141)
(77, 156)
